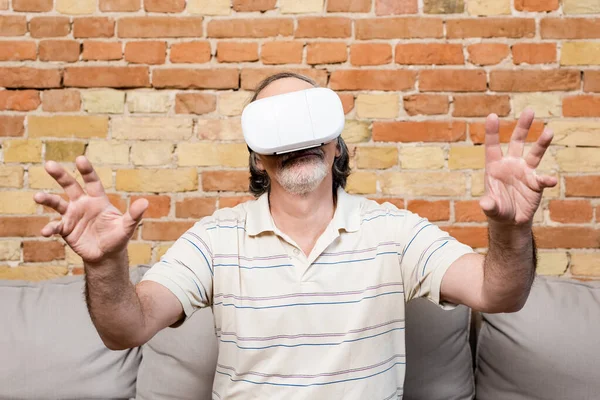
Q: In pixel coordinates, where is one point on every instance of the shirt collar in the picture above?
(346, 216)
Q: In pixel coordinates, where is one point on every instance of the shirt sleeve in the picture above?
(427, 254)
(186, 269)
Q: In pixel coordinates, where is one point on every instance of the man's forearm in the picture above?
(509, 266)
(112, 302)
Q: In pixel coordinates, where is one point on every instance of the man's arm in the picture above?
(501, 280)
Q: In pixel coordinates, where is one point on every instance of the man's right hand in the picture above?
(94, 228)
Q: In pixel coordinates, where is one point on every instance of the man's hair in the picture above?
(260, 182)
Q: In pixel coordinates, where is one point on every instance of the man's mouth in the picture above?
(299, 155)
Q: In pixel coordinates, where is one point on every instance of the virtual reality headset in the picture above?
(293, 121)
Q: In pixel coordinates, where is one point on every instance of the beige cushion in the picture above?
(550, 350)
(50, 349)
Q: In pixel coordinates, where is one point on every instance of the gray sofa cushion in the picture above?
(550, 350)
(50, 349)
(179, 363)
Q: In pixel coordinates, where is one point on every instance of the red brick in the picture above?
(195, 78)
(359, 6)
(232, 201)
(570, 28)
(195, 207)
(13, 25)
(326, 53)
(254, 5)
(582, 186)
(61, 100)
(488, 53)
(490, 28)
(591, 81)
(477, 131)
(146, 52)
(431, 53)
(399, 203)
(427, 131)
(481, 105)
(93, 27)
(250, 28)
(164, 6)
(468, 211)
(159, 206)
(160, 27)
(238, 52)
(102, 51)
(432, 210)
(26, 77)
(429, 104)
(566, 237)
(392, 7)
(534, 53)
(32, 5)
(59, 50)
(398, 28)
(225, 181)
(116, 200)
(18, 50)
(570, 211)
(364, 79)
(40, 27)
(474, 236)
(22, 226)
(12, 125)
(43, 251)
(347, 101)
(370, 53)
(195, 103)
(165, 230)
(191, 52)
(453, 80)
(120, 5)
(114, 77)
(326, 27)
(536, 5)
(251, 77)
(282, 53)
(19, 100)
(581, 106)
(535, 80)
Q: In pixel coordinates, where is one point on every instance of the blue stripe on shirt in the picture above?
(205, 259)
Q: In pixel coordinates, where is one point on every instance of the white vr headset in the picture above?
(293, 121)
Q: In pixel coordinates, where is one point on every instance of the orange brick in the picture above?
(40, 27)
(358, 6)
(196, 78)
(364, 79)
(326, 53)
(398, 28)
(431, 53)
(477, 131)
(347, 101)
(370, 53)
(18, 50)
(195, 207)
(428, 131)
(158, 207)
(195, 103)
(93, 27)
(160, 27)
(250, 28)
(453, 80)
(392, 7)
(429, 104)
(581, 106)
(164, 6)
(43, 251)
(254, 5)
(481, 105)
(282, 53)
(535, 81)
(591, 81)
(432, 210)
(115, 77)
(566, 237)
(191, 52)
(534, 53)
(237, 52)
(232, 201)
(116, 200)
(570, 28)
(26, 77)
(120, 5)
(570, 211)
(13, 25)
(146, 52)
(474, 236)
(468, 211)
(59, 50)
(490, 28)
(19, 100)
(225, 181)
(22, 226)
(165, 230)
(582, 186)
(487, 53)
(11, 125)
(32, 5)
(325, 27)
(102, 51)
(536, 5)
(61, 100)
(399, 203)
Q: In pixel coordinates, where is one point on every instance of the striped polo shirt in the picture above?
(329, 325)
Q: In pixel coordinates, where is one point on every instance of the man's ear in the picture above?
(338, 149)
(258, 162)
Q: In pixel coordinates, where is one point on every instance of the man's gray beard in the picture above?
(302, 179)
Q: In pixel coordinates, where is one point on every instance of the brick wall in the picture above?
(152, 94)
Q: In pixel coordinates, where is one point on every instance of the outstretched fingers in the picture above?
(52, 228)
(134, 215)
(65, 180)
(517, 140)
(493, 152)
(90, 177)
(53, 201)
(535, 155)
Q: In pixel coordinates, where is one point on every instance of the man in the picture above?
(307, 284)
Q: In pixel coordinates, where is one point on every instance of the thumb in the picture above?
(136, 210)
(489, 206)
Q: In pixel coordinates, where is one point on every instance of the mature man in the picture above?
(308, 283)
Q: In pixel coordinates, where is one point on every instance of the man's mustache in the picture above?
(289, 156)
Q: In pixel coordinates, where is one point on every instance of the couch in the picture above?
(550, 350)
